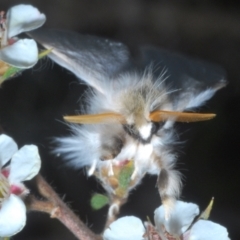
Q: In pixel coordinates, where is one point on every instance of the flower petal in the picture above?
(22, 54)
(12, 216)
(23, 18)
(25, 164)
(125, 228)
(7, 148)
(180, 219)
(207, 230)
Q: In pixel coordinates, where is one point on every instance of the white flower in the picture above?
(24, 165)
(21, 53)
(125, 228)
(181, 226)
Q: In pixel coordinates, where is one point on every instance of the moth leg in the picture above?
(110, 148)
(169, 186)
(135, 172)
(107, 153)
(92, 168)
(110, 171)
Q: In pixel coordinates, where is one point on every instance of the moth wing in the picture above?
(96, 61)
(93, 59)
(194, 81)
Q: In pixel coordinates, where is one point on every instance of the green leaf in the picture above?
(98, 201)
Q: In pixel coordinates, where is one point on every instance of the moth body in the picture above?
(140, 106)
(148, 143)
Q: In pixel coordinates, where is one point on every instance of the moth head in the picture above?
(139, 126)
(138, 100)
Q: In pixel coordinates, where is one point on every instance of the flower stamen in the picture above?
(2, 20)
(3, 28)
(4, 188)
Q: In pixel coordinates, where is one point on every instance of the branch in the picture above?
(56, 208)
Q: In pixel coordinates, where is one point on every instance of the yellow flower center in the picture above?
(4, 188)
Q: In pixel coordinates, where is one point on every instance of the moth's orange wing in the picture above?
(108, 117)
(159, 116)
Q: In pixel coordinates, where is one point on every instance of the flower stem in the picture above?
(58, 209)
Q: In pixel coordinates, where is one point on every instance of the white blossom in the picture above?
(24, 165)
(21, 53)
(180, 226)
(125, 228)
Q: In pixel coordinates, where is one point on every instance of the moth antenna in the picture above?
(96, 118)
(159, 116)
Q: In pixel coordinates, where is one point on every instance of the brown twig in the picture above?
(56, 208)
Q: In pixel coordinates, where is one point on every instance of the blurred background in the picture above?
(31, 104)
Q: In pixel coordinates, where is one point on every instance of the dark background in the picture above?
(210, 158)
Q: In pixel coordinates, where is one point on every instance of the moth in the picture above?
(131, 105)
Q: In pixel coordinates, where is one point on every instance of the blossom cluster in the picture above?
(16, 166)
(180, 226)
(20, 53)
